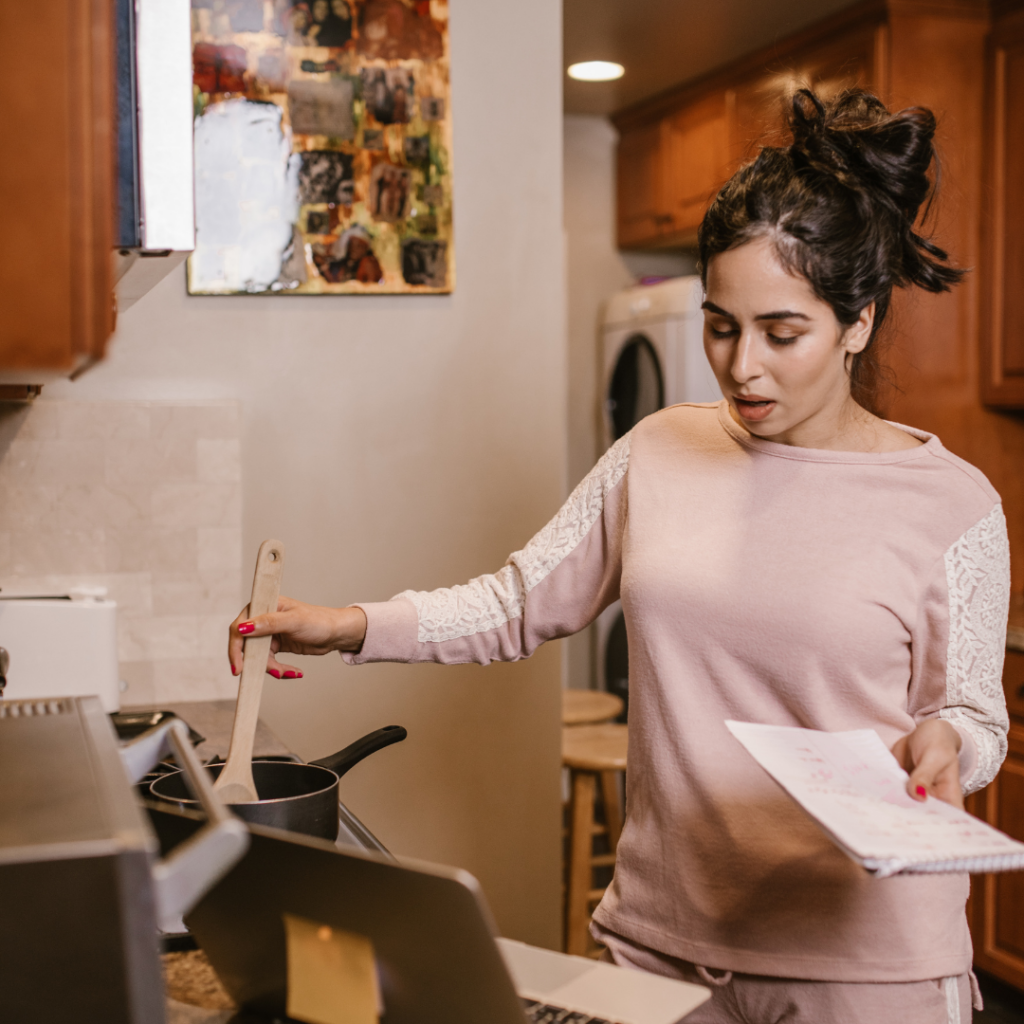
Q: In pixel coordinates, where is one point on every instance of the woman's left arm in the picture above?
(958, 747)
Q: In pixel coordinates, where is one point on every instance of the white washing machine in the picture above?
(653, 356)
(653, 352)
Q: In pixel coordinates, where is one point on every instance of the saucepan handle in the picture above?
(196, 865)
(342, 761)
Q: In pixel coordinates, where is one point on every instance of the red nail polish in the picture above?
(274, 672)
(246, 627)
(291, 675)
(234, 671)
(921, 791)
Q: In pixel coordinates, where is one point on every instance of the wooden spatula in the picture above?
(235, 784)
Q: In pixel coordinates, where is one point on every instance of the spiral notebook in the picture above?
(854, 789)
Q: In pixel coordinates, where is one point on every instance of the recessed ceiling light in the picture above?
(596, 71)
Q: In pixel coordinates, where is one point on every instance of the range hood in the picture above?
(155, 191)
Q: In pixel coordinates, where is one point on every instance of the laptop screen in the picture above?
(430, 931)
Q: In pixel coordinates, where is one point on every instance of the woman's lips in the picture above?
(753, 408)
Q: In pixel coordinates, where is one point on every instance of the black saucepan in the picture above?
(294, 796)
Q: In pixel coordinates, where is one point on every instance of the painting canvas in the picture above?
(322, 147)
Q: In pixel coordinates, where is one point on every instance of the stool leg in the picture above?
(580, 852)
(612, 807)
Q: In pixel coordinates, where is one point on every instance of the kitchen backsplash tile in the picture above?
(217, 550)
(182, 506)
(145, 499)
(57, 461)
(36, 552)
(219, 459)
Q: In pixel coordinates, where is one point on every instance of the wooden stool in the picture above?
(584, 707)
(590, 752)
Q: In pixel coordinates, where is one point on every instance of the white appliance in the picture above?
(652, 339)
(61, 646)
(653, 352)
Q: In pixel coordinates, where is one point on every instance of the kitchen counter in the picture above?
(1015, 630)
(214, 719)
(194, 993)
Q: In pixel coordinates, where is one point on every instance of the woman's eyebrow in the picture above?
(778, 314)
(711, 307)
(782, 314)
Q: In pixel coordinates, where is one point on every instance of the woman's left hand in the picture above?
(931, 755)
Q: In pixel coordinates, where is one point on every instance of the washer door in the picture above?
(636, 389)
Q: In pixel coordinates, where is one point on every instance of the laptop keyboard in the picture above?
(542, 1013)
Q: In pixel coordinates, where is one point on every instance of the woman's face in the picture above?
(777, 350)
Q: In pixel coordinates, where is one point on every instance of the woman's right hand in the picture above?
(297, 628)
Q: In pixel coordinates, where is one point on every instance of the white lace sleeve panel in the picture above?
(978, 580)
(488, 602)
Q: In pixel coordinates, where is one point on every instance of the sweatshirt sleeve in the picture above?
(555, 586)
(971, 598)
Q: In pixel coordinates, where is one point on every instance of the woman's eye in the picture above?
(786, 339)
(725, 332)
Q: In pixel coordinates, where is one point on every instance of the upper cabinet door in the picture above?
(764, 100)
(643, 217)
(697, 159)
(1002, 324)
(56, 189)
(852, 59)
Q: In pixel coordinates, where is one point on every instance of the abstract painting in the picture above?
(322, 147)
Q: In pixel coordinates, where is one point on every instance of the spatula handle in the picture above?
(266, 586)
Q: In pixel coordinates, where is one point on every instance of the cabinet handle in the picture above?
(663, 218)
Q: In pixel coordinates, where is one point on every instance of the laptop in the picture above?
(438, 961)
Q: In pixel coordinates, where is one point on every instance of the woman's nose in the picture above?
(746, 364)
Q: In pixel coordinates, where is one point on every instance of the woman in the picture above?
(784, 556)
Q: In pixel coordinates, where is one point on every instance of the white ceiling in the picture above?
(664, 42)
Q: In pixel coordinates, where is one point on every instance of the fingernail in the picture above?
(274, 672)
(921, 792)
(234, 671)
(291, 675)
(246, 627)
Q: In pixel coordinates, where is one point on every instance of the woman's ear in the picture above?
(858, 334)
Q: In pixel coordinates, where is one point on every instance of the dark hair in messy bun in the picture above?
(839, 204)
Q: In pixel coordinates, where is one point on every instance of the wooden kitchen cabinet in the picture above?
(677, 150)
(1002, 336)
(997, 901)
(56, 188)
(853, 57)
(643, 213)
(697, 158)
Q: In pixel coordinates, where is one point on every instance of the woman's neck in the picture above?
(845, 427)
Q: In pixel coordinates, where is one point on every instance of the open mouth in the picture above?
(754, 409)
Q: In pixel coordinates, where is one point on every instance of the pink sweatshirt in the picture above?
(765, 583)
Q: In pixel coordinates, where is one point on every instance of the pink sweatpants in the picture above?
(758, 999)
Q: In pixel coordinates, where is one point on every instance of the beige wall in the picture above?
(595, 270)
(413, 441)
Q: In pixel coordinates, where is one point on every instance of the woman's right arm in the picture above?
(556, 585)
